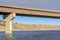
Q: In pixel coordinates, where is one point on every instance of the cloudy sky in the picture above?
(39, 4)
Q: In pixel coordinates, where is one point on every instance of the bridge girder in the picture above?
(21, 11)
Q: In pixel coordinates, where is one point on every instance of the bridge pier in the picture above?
(8, 23)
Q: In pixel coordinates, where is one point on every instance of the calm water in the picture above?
(33, 35)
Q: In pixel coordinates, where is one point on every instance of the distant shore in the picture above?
(25, 27)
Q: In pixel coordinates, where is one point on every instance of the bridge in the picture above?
(10, 12)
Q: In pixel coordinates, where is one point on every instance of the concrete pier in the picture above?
(8, 23)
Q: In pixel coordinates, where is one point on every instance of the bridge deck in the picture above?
(22, 11)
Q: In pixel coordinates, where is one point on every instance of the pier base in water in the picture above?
(9, 36)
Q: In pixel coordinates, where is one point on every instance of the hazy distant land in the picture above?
(18, 27)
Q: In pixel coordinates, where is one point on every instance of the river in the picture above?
(33, 35)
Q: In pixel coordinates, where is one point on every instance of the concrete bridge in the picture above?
(10, 12)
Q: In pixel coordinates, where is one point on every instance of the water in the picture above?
(33, 35)
(2, 36)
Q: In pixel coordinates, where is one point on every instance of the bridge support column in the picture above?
(8, 24)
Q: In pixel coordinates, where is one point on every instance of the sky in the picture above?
(39, 4)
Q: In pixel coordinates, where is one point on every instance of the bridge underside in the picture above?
(4, 13)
